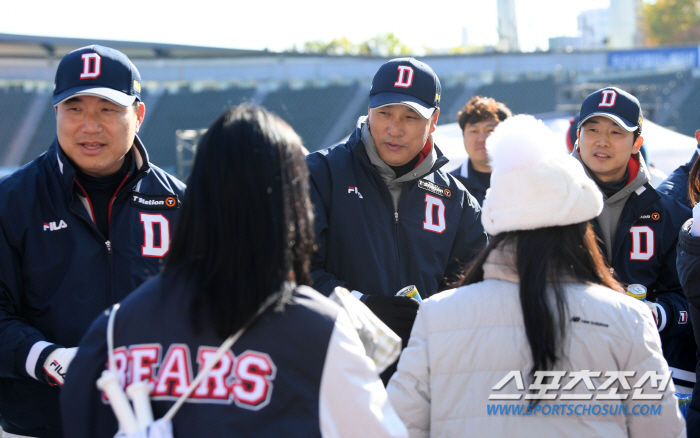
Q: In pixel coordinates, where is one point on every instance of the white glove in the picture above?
(56, 365)
(654, 311)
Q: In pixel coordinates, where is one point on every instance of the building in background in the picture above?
(507, 27)
(627, 32)
(593, 26)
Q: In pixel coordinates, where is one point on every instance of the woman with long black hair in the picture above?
(282, 359)
(537, 310)
(688, 264)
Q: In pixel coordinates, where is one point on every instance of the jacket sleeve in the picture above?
(409, 387)
(353, 401)
(23, 348)
(320, 193)
(688, 264)
(469, 241)
(645, 357)
(669, 293)
(83, 413)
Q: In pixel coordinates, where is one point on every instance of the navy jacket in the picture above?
(645, 253)
(364, 245)
(676, 184)
(470, 182)
(288, 350)
(688, 263)
(57, 271)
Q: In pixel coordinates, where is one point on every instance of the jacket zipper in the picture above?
(396, 235)
(108, 243)
(110, 298)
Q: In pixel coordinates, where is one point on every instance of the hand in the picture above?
(397, 312)
(654, 311)
(56, 365)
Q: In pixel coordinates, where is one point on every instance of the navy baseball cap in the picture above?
(97, 71)
(409, 82)
(615, 104)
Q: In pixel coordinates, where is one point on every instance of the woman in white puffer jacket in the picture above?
(538, 302)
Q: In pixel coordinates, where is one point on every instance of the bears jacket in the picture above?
(297, 371)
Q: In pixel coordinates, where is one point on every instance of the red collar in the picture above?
(424, 152)
(633, 165)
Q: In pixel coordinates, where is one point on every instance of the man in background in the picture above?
(478, 119)
(386, 216)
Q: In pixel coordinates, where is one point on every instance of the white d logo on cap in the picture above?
(609, 97)
(405, 77)
(91, 60)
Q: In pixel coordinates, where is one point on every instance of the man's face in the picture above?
(475, 135)
(96, 133)
(606, 148)
(399, 132)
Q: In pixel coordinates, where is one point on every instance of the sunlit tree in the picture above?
(381, 45)
(671, 21)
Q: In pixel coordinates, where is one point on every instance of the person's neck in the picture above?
(405, 168)
(480, 167)
(607, 178)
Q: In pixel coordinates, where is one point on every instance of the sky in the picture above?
(278, 25)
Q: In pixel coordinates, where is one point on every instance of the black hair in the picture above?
(545, 258)
(246, 225)
(694, 183)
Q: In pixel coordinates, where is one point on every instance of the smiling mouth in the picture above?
(601, 155)
(91, 146)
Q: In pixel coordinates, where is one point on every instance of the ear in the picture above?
(140, 114)
(638, 144)
(577, 133)
(697, 136)
(433, 120)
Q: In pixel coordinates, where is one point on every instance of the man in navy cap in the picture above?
(80, 227)
(386, 216)
(639, 226)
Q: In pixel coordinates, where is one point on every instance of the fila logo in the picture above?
(92, 66)
(609, 97)
(51, 226)
(405, 77)
(682, 317)
(354, 190)
(58, 368)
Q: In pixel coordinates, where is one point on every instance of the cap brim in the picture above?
(384, 99)
(117, 97)
(623, 123)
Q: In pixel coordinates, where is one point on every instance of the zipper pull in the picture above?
(108, 244)
(396, 217)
